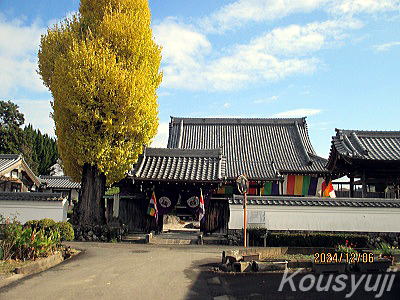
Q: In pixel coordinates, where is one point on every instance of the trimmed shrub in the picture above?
(316, 239)
(29, 241)
(66, 231)
(32, 223)
(47, 223)
(313, 239)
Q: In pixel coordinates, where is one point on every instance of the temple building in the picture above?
(275, 155)
(371, 159)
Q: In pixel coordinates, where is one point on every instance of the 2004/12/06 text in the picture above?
(349, 258)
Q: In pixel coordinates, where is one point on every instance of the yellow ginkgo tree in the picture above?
(102, 68)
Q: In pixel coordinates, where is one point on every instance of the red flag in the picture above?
(152, 210)
(202, 210)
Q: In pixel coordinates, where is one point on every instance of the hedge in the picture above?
(66, 230)
(319, 239)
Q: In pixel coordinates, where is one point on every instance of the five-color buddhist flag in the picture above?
(152, 210)
(202, 210)
(302, 185)
(270, 188)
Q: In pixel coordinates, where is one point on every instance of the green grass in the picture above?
(291, 257)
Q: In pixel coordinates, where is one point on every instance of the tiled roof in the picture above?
(7, 160)
(61, 182)
(180, 164)
(300, 201)
(259, 148)
(26, 196)
(366, 145)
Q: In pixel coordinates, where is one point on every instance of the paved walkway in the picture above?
(121, 271)
(137, 271)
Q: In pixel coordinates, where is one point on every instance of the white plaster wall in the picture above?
(34, 210)
(320, 218)
(74, 194)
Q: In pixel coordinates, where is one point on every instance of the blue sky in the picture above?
(335, 61)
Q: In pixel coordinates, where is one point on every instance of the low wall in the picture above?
(317, 218)
(34, 210)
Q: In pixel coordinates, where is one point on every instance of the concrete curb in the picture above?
(35, 267)
(40, 264)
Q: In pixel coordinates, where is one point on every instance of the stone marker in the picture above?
(242, 267)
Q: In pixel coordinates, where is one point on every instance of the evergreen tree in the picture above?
(11, 134)
(39, 151)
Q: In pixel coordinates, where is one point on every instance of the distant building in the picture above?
(63, 185)
(15, 174)
(371, 159)
(27, 197)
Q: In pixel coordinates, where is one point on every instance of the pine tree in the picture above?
(11, 133)
(102, 68)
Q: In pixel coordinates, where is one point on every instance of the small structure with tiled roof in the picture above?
(161, 164)
(61, 184)
(15, 174)
(371, 156)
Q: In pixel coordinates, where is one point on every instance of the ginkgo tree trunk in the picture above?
(102, 68)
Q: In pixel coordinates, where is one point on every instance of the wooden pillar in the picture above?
(364, 185)
(351, 187)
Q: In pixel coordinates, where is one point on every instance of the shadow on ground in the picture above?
(209, 284)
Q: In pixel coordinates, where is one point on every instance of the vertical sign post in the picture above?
(245, 219)
(243, 185)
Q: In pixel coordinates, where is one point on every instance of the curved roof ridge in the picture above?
(233, 120)
(183, 152)
(368, 132)
(54, 177)
(10, 156)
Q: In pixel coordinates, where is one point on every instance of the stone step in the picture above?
(135, 238)
(171, 241)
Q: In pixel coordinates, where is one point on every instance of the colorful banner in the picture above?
(225, 190)
(270, 189)
(300, 185)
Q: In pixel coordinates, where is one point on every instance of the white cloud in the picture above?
(37, 113)
(227, 105)
(296, 40)
(161, 139)
(386, 46)
(236, 14)
(363, 6)
(189, 62)
(183, 51)
(298, 113)
(266, 100)
(19, 44)
(164, 94)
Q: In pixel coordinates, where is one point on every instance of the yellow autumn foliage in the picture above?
(102, 68)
